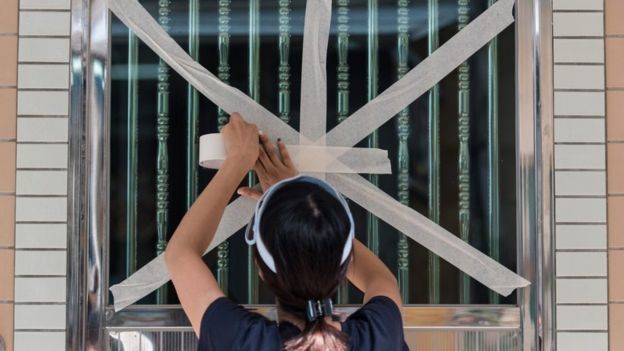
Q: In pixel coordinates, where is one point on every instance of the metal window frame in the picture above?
(88, 318)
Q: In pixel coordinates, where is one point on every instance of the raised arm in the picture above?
(195, 284)
(371, 276)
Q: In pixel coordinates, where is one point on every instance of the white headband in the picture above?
(257, 238)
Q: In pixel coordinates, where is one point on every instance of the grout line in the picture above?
(582, 223)
(7, 248)
(42, 142)
(615, 141)
(59, 63)
(581, 250)
(39, 169)
(579, 63)
(579, 169)
(39, 196)
(615, 88)
(46, 10)
(614, 36)
(602, 331)
(580, 116)
(40, 276)
(7, 140)
(575, 196)
(582, 303)
(579, 143)
(577, 11)
(45, 36)
(41, 249)
(582, 277)
(36, 303)
(578, 37)
(44, 89)
(8, 86)
(8, 34)
(39, 330)
(579, 90)
(42, 116)
(616, 249)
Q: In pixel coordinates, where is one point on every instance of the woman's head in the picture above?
(304, 226)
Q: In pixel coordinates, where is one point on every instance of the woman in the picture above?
(304, 246)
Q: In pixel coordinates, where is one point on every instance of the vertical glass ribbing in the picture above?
(373, 140)
(162, 134)
(192, 101)
(463, 135)
(254, 93)
(223, 259)
(434, 154)
(493, 178)
(403, 130)
(342, 106)
(284, 65)
(132, 154)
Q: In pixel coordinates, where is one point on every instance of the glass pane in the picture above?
(460, 173)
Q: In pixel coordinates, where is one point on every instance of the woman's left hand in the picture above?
(241, 141)
(273, 165)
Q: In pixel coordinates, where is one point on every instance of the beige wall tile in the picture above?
(616, 323)
(7, 259)
(49, 289)
(44, 50)
(579, 130)
(616, 281)
(575, 291)
(579, 77)
(579, 157)
(8, 113)
(615, 56)
(50, 236)
(41, 209)
(581, 264)
(7, 220)
(37, 340)
(577, 4)
(7, 168)
(615, 168)
(614, 9)
(41, 183)
(45, 4)
(581, 210)
(578, 183)
(40, 317)
(578, 24)
(578, 50)
(8, 16)
(575, 341)
(6, 324)
(43, 76)
(40, 262)
(36, 129)
(615, 115)
(8, 60)
(579, 103)
(582, 317)
(47, 23)
(569, 236)
(616, 221)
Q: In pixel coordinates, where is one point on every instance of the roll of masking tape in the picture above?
(308, 158)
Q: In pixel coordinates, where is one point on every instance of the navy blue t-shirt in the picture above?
(228, 326)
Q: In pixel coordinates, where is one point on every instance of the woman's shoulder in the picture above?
(227, 325)
(378, 324)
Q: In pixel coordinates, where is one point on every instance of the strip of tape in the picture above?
(308, 158)
(423, 77)
(154, 274)
(433, 237)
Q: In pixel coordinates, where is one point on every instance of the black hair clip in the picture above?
(319, 308)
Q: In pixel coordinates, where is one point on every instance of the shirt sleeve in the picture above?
(378, 325)
(228, 326)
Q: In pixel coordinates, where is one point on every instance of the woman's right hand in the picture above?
(273, 164)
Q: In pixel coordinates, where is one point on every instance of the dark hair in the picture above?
(305, 228)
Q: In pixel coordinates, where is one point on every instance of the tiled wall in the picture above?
(615, 175)
(580, 176)
(34, 83)
(589, 162)
(8, 122)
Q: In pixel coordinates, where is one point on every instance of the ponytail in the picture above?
(318, 335)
